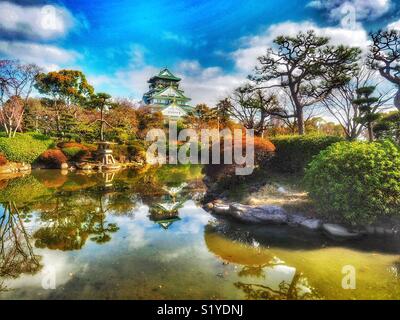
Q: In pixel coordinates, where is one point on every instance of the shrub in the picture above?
(24, 147)
(62, 145)
(53, 158)
(356, 182)
(293, 153)
(74, 153)
(225, 174)
(263, 151)
(3, 160)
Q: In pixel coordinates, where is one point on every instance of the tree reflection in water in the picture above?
(262, 274)
(16, 252)
(70, 209)
(71, 220)
(297, 289)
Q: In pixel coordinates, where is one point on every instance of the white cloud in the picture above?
(252, 47)
(35, 22)
(46, 56)
(394, 25)
(364, 9)
(210, 84)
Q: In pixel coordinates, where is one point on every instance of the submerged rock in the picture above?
(339, 232)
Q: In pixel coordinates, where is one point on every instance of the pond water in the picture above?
(143, 235)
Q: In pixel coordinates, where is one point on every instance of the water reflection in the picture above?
(262, 275)
(143, 235)
(64, 211)
(16, 252)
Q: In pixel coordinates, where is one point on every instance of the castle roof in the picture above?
(166, 75)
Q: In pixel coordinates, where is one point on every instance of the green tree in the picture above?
(101, 102)
(385, 57)
(201, 117)
(366, 103)
(66, 88)
(388, 126)
(148, 120)
(252, 108)
(223, 108)
(307, 68)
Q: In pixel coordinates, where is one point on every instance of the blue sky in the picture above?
(211, 44)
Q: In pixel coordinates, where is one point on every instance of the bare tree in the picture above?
(341, 106)
(252, 108)
(286, 113)
(385, 57)
(16, 84)
(16, 252)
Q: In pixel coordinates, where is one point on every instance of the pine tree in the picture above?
(366, 103)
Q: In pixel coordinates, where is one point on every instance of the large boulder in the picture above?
(263, 214)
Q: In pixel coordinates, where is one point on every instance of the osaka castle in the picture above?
(165, 96)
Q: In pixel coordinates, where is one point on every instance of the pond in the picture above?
(144, 235)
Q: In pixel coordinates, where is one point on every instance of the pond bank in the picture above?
(272, 214)
(272, 198)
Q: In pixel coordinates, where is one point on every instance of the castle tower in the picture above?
(165, 96)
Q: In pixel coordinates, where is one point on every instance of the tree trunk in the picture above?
(397, 99)
(57, 118)
(370, 132)
(101, 125)
(300, 121)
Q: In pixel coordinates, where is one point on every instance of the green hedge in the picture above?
(24, 147)
(356, 182)
(293, 153)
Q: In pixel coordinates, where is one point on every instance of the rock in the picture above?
(339, 232)
(270, 214)
(370, 230)
(263, 214)
(12, 167)
(281, 190)
(5, 169)
(221, 208)
(85, 166)
(302, 221)
(381, 231)
(312, 224)
(24, 167)
(64, 166)
(238, 208)
(209, 206)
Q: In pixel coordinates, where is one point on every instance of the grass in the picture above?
(271, 188)
(24, 147)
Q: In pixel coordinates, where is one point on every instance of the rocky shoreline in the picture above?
(272, 214)
(14, 167)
